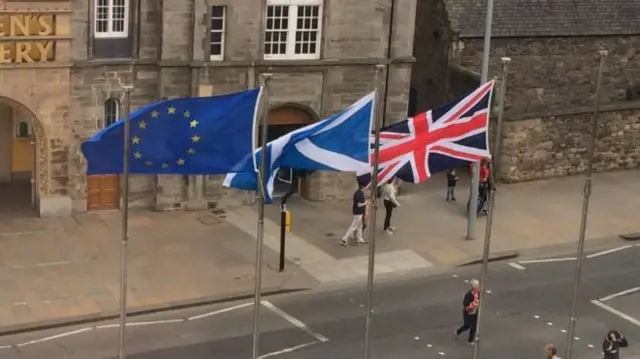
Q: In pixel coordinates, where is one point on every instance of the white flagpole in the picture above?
(128, 89)
(261, 199)
(492, 203)
(475, 166)
(374, 207)
(585, 206)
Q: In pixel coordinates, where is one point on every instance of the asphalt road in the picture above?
(527, 307)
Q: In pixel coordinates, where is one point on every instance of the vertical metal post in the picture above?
(374, 207)
(124, 211)
(283, 232)
(33, 174)
(475, 175)
(261, 198)
(585, 207)
(492, 202)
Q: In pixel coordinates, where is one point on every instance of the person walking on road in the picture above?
(470, 311)
(452, 181)
(390, 203)
(612, 344)
(550, 352)
(358, 210)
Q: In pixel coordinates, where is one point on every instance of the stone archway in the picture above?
(41, 153)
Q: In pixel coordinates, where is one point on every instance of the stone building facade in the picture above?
(552, 76)
(322, 56)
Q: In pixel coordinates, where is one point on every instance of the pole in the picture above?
(260, 240)
(475, 166)
(492, 202)
(585, 206)
(125, 220)
(374, 208)
(392, 15)
(283, 231)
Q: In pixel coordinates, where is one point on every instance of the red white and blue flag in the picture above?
(450, 136)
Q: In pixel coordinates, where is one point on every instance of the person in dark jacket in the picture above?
(470, 311)
(452, 181)
(612, 344)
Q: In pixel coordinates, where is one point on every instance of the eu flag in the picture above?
(190, 136)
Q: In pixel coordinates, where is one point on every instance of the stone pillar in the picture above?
(195, 190)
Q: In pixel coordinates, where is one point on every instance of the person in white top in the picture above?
(390, 202)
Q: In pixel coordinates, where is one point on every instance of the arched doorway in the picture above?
(282, 120)
(23, 173)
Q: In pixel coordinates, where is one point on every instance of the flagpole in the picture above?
(585, 206)
(124, 212)
(475, 166)
(374, 207)
(261, 199)
(492, 203)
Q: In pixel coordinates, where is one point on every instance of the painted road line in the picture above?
(5, 347)
(61, 335)
(616, 312)
(609, 251)
(517, 266)
(548, 260)
(288, 350)
(620, 294)
(139, 324)
(220, 311)
(294, 321)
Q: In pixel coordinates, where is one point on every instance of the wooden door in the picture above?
(102, 192)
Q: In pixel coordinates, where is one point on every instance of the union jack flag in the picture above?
(449, 136)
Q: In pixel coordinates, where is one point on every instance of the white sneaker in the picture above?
(392, 229)
(361, 242)
(389, 231)
(344, 243)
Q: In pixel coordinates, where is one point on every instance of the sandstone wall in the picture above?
(556, 144)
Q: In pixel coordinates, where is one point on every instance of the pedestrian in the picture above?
(390, 202)
(470, 311)
(452, 181)
(612, 344)
(550, 352)
(358, 210)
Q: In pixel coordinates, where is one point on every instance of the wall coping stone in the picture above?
(612, 107)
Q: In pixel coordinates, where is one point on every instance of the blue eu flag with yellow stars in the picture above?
(190, 136)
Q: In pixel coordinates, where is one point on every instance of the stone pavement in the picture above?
(69, 267)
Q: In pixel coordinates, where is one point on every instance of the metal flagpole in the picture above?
(475, 167)
(585, 206)
(261, 198)
(125, 220)
(374, 207)
(492, 202)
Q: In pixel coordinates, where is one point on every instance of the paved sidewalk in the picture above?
(60, 268)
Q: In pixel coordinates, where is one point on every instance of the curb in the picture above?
(631, 236)
(492, 258)
(99, 317)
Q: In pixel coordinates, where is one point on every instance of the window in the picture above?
(111, 18)
(216, 44)
(111, 111)
(293, 29)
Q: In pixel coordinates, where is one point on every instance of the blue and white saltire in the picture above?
(338, 143)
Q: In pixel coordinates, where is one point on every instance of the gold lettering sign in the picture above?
(28, 26)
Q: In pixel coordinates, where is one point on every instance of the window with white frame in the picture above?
(111, 111)
(111, 18)
(218, 22)
(293, 29)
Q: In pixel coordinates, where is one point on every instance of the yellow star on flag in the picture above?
(195, 138)
(155, 114)
(142, 124)
(137, 154)
(135, 140)
(187, 113)
(194, 123)
(180, 162)
(172, 110)
(191, 151)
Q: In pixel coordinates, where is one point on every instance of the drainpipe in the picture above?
(392, 14)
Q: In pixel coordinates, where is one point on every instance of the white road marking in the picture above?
(609, 251)
(620, 294)
(488, 291)
(564, 330)
(288, 350)
(220, 311)
(416, 338)
(576, 338)
(5, 347)
(61, 335)
(616, 312)
(455, 276)
(590, 345)
(517, 266)
(549, 323)
(536, 316)
(548, 260)
(429, 345)
(139, 324)
(294, 321)
(441, 353)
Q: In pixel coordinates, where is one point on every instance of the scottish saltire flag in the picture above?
(338, 143)
(449, 136)
(193, 136)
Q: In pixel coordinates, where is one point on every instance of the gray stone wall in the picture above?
(556, 144)
(555, 73)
